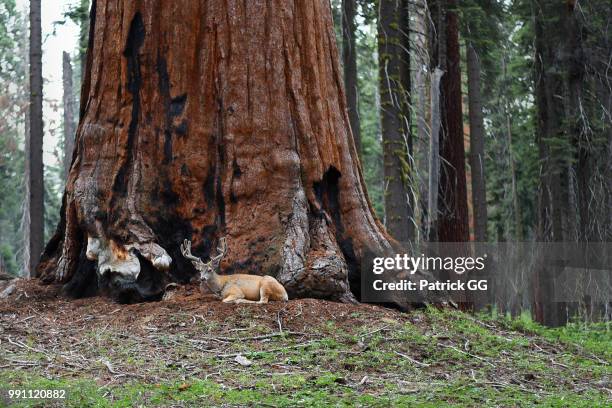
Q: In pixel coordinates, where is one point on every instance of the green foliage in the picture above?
(368, 97)
(13, 110)
(13, 106)
(595, 338)
(482, 27)
(78, 13)
(53, 197)
(502, 36)
(369, 114)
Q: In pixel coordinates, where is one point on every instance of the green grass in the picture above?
(430, 358)
(291, 391)
(593, 337)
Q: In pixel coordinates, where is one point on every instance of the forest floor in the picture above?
(193, 350)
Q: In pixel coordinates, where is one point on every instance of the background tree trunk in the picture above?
(349, 58)
(68, 100)
(434, 156)
(516, 204)
(453, 224)
(479, 190)
(507, 113)
(419, 20)
(202, 119)
(548, 83)
(34, 148)
(394, 68)
(83, 35)
(452, 212)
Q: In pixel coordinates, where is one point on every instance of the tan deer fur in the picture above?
(238, 288)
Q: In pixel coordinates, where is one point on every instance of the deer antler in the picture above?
(221, 251)
(186, 251)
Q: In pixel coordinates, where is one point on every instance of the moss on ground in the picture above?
(428, 358)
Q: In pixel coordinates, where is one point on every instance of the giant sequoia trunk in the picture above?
(202, 119)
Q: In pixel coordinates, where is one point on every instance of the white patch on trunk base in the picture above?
(93, 248)
(121, 259)
(297, 239)
(155, 254)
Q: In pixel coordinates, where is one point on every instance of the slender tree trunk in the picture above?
(434, 156)
(202, 119)
(452, 214)
(606, 98)
(516, 205)
(479, 190)
(394, 77)
(421, 155)
(575, 66)
(34, 146)
(68, 100)
(550, 228)
(419, 18)
(437, 52)
(453, 224)
(349, 58)
(83, 36)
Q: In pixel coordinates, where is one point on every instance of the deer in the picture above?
(237, 288)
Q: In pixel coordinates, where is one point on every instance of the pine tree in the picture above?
(349, 59)
(394, 77)
(34, 146)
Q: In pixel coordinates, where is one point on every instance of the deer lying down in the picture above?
(238, 288)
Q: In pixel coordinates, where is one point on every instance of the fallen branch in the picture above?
(310, 343)
(469, 354)
(412, 360)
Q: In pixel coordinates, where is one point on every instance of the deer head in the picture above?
(206, 269)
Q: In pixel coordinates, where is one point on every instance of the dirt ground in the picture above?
(62, 326)
(45, 305)
(193, 348)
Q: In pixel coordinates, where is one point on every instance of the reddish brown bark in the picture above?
(450, 223)
(477, 140)
(202, 119)
(453, 221)
(452, 217)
